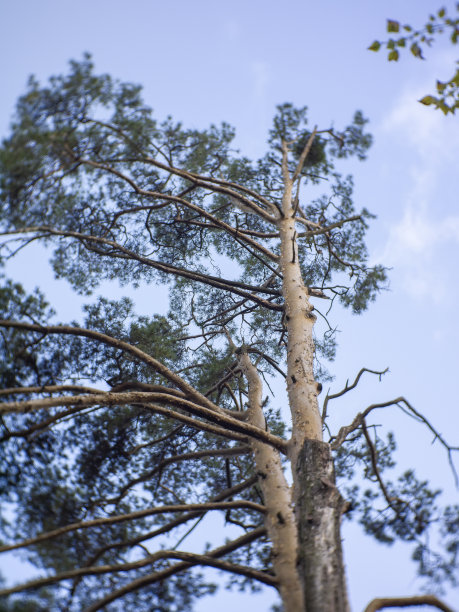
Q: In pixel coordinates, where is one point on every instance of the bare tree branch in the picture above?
(349, 387)
(405, 602)
(407, 408)
(171, 198)
(49, 389)
(304, 155)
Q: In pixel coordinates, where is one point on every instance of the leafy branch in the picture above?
(447, 95)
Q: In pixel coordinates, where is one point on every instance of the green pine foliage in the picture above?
(116, 194)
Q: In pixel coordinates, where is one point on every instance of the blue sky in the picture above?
(207, 61)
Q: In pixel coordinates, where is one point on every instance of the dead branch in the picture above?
(124, 346)
(405, 602)
(407, 408)
(348, 387)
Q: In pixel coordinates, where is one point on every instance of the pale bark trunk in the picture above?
(299, 320)
(317, 502)
(279, 518)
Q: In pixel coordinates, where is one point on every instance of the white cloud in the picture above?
(422, 249)
(423, 244)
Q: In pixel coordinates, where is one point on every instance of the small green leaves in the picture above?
(428, 100)
(417, 40)
(416, 50)
(393, 26)
(375, 46)
(441, 86)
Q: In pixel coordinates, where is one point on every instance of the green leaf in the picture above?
(441, 12)
(416, 50)
(375, 46)
(441, 86)
(408, 28)
(401, 42)
(428, 100)
(393, 26)
(393, 56)
(441, 104)
(454, 36)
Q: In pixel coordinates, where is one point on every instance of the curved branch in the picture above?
(236, 287)
(408, 409)
(111, 520)
(220, 417)
(197, 179)
(405, 602)
(97, 570)
(192, 422)
(181, 520)
(49, 389)
(180, 200)
(180, 567)
(119, 344)
(348, 387)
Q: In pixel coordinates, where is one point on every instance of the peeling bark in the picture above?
(319, 509)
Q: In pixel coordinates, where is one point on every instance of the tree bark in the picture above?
(318, 504)
(279, 517)
(318, 512)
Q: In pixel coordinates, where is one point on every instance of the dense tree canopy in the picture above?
(122, 433)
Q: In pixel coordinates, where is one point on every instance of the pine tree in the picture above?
(121, 434)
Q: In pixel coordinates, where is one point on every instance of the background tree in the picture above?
(111, 428)
(447, 95)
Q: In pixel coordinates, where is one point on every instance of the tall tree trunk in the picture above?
(317, 502)
(319, 508)
(279, 518)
